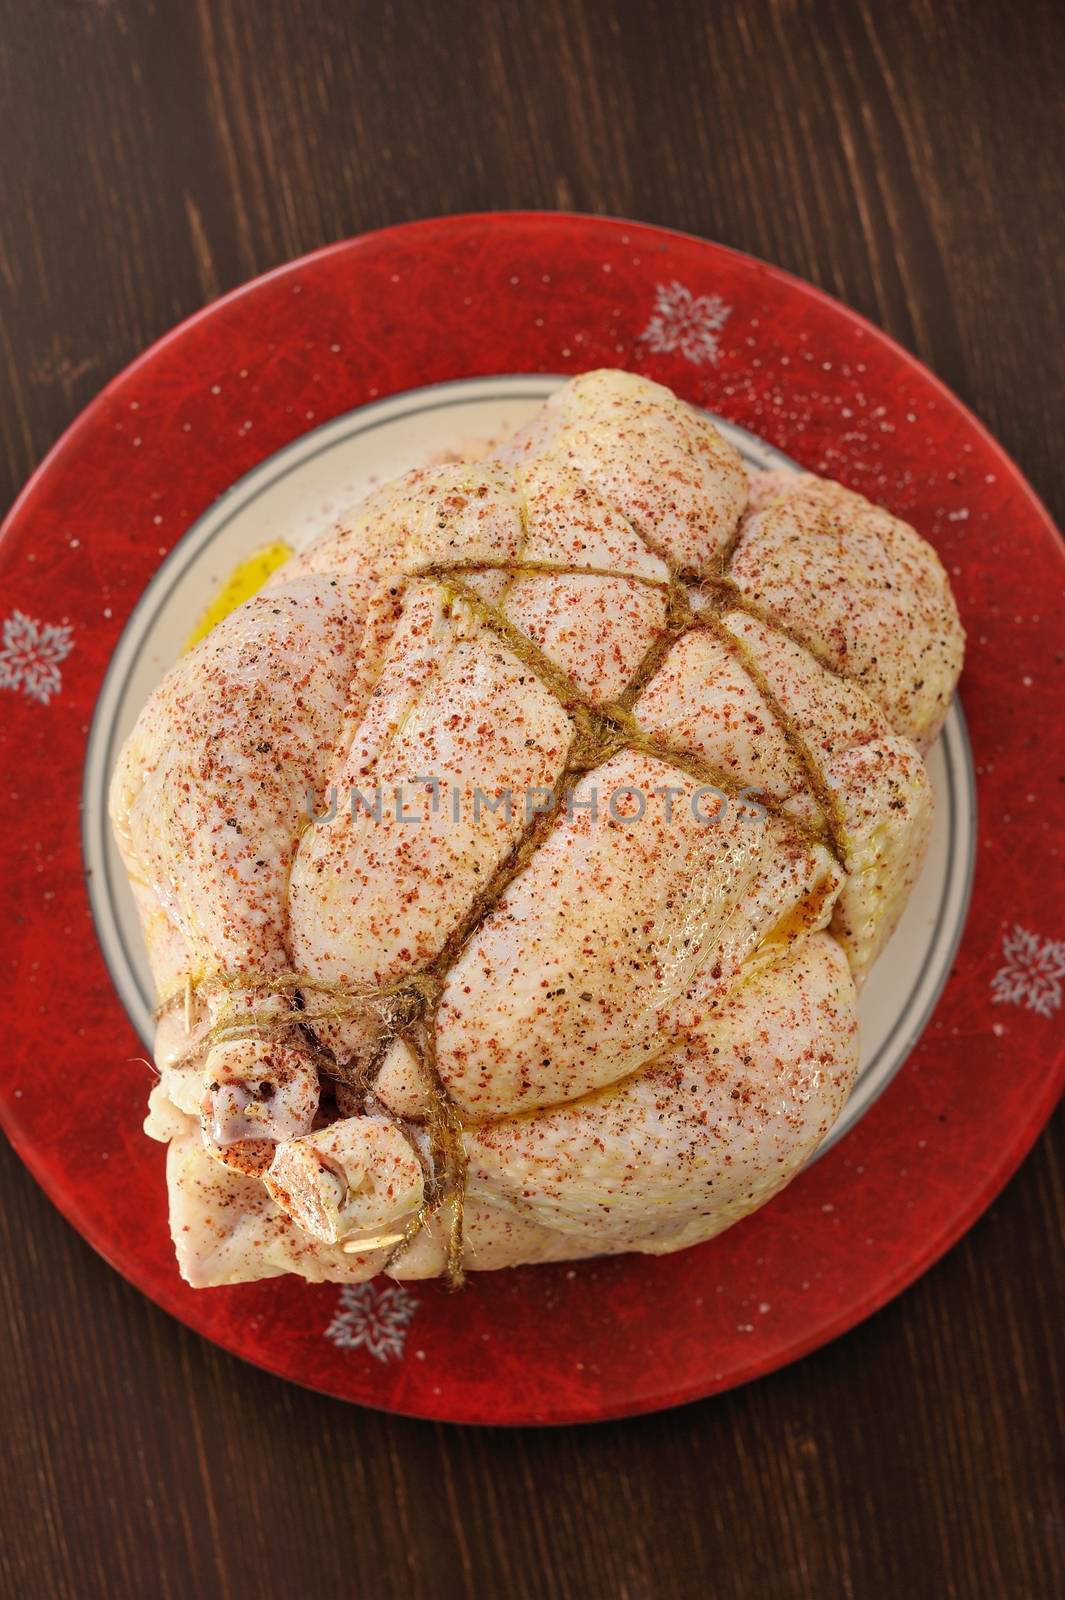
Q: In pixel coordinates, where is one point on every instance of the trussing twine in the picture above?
(407, 1006)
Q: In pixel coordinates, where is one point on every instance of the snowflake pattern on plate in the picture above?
(30, 656)
(373, 1319)
(1033, 972)
(685, 322)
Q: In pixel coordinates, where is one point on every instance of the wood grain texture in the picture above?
(153, 153)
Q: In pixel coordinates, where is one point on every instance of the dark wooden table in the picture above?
(908, 158)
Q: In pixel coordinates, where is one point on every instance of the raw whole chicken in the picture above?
(509, 865)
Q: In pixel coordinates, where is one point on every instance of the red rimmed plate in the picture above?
(255, 419)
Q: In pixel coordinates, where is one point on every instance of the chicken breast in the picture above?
(509, 864)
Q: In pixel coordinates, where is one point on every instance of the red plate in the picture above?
(466, 297)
